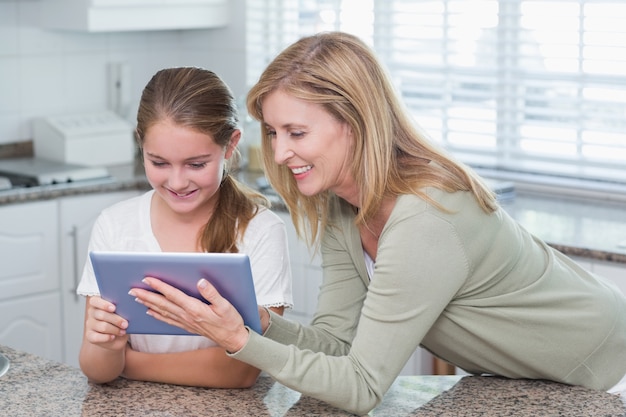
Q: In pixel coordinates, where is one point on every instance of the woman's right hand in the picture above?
(218, 320)
(103, 327)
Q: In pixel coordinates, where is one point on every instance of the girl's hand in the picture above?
(218, 321)
(103, 327)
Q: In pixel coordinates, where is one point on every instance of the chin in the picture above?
(309, 193)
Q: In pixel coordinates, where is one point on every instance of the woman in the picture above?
(415, 249)
(187, 133)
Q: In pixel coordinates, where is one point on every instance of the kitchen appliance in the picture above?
(94, 139)
(30, 172)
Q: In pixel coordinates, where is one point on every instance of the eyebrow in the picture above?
(288, 126)
(194, 158)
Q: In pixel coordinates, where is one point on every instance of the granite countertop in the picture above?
(34, 386)
(577, 227)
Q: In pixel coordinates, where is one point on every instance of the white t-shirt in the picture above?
(126, 226)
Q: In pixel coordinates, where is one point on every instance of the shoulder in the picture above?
(438, 202)
(130, 204)
(457, 215)
(266, 231)
(266, 216)
(263, 220)
(127, 210)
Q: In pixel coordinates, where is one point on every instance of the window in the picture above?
(513, 85)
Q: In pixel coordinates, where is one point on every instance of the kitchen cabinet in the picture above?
(77, 215)
(133, 15)
(306, 272)
(306, 269)
(30, 316)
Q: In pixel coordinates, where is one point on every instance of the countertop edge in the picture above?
(134, 181)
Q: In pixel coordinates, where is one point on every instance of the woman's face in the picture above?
(184, 166)
(314, 145)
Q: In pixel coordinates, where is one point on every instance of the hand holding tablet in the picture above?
(118, 272)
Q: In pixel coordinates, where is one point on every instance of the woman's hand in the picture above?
(218, 321)
(103, 327)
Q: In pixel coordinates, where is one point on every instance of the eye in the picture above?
(297, 134)
(198, 165)
(270, 132)
(158, 164)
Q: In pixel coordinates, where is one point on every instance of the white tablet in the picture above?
(118, 272)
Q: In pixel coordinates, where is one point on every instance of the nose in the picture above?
(177, 179)
(282, 149)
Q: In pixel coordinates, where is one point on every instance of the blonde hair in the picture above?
(198, 99)
(391, 155)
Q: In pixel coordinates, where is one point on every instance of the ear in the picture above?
(232, 144)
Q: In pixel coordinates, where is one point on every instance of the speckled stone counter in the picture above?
(576, 227)
(34, 386)
(123, 177)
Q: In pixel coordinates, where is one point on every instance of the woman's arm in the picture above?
(209, 367)
(414, 281)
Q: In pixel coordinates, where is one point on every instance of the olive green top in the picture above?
(475, 289)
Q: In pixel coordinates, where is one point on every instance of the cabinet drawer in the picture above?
(29, 248)
(33, 324)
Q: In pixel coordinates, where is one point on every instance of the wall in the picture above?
(46, 72)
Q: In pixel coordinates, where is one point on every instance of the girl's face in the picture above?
(185, 167)
(314, 145)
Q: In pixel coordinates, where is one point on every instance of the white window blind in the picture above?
(514, 85)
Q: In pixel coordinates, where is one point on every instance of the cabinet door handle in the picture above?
(74, 238)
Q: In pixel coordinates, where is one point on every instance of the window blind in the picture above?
(512, 85)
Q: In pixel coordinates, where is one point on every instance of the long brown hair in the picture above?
(198, 99)
(391, 155)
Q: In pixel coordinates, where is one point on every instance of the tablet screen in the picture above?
(118, 272)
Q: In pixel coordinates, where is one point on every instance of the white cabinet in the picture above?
(30, 314)
(133, 15)
(33, 324)
(43, 248)
(306, 272)
(76, 218)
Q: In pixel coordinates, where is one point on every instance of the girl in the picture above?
(187, 133)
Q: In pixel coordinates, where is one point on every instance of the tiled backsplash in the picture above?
(47, 72)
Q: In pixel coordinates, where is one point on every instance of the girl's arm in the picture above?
(209, 367)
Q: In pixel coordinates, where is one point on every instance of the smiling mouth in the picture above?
(182, 195)
(301, 170)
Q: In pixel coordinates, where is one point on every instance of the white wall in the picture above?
(46, 72)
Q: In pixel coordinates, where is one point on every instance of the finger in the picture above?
(105, 317)
(171, 293)
(159, 302)
(164, 307)
(107, 341)
(108, 323)
(101, 304)
(210, 293)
